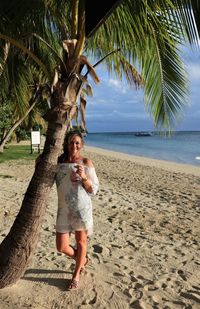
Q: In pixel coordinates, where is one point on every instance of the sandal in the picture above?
(73, 284)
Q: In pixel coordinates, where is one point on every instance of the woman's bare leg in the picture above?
(63, 244)
(81, 241)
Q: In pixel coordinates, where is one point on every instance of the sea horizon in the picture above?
(154, 131)
(179, 146)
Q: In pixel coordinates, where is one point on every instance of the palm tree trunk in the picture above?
(18, 246)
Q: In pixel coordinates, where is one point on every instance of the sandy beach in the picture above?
(145, 250)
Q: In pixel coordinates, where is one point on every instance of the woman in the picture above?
(76, 181)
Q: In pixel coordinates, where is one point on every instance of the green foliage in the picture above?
(22, 134)
(5, 119)
(145, 33)
(17, 152)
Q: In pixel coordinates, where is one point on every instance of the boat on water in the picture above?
(143, 134)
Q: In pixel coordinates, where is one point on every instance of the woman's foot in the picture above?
(73, 284)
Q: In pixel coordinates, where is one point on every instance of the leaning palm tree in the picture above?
(137, 39)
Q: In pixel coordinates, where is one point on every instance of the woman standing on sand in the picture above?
(76, 182)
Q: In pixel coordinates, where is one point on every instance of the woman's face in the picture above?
(75, 145)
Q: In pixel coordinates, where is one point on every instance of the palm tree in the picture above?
(21, 88)
(126, 34)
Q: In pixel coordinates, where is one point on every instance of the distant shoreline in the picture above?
(153, 131)
(166, 165)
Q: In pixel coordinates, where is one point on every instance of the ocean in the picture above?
(181, 147)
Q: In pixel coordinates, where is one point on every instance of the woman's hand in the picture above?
(81, 171)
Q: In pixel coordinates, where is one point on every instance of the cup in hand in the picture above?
(74, 176)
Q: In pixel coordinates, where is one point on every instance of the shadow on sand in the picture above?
(48, 276)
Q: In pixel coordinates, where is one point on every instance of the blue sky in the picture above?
(117, 107)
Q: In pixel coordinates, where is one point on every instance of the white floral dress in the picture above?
(74, 202)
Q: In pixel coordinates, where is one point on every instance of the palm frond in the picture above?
(52, 49)
(188, 13)
(89, 91)
(195, 4)
(25, 50)
(90, 69)
(147, 33)
(4, 56)
(131, 74)
(152, 32)
(165, 84)
(83, 103)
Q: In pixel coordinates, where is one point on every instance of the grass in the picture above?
(17, 152)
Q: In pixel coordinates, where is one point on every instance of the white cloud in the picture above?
(115, 82)
(132, 115)
(116, 115)
(118, 85)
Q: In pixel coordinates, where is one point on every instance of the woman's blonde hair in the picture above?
(67, 139)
